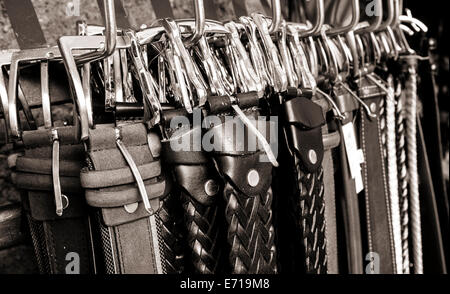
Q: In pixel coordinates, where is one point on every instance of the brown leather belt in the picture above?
(125, 227)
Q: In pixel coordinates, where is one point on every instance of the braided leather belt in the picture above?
(304, 121)
(199, 188)
(248, 203)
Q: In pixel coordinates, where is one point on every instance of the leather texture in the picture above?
(330, 141)
(54, 236)
(124, 224)
(248, 208)
(200, 189)
(303, 124)
(377, 211)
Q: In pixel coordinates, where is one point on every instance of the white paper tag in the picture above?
(355, 156)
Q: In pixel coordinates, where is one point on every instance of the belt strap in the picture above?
(133, 241)
(200, 188)
(391, 151)
(377, 202)
(248, 211)
(432, 127)
(331, 141)
(347, 195)
(25, 24)
(303, 124)
(403, 181)
(411, 133)
(55, 238)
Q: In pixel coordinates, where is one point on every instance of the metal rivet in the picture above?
(373, 107)
(131, 208)
(312, 156)
(211, 188)
(253, 178)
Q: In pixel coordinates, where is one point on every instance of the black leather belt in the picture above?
(303, 125)
(347, 194)
(377, 209)
(248, 202)
(200, 189)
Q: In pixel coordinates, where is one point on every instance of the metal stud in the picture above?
(211, 187)
(253, 178)
(131, 208)
(373, 107)
(312, 156)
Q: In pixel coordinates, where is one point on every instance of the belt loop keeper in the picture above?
(134, 171)
(55, 176)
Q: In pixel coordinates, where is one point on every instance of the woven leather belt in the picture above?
(200, 189)
(54, 237)
(377, 204)
(248, 197)
(304, 120)
(131, 241)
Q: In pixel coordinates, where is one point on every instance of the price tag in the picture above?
(355, 156)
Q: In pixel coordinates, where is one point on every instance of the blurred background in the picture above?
(56, 21)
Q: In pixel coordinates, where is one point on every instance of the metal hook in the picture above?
(273, 60)
(415, 23)
(364, 105)
(193, 73)
(337, 112)
(390, 8)
(378, 18)
(145, 80)
(351, 25)
(276, 16)
(199, 29)
(320, 19)
(110, 35)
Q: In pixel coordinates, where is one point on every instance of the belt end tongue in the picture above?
(261, 138)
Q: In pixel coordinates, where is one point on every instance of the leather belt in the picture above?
(127, 240)
(330, 141)
(248, 210)
(303, 121)
(377, 202)
(54, 237)
(347, 194)
(200, 189)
